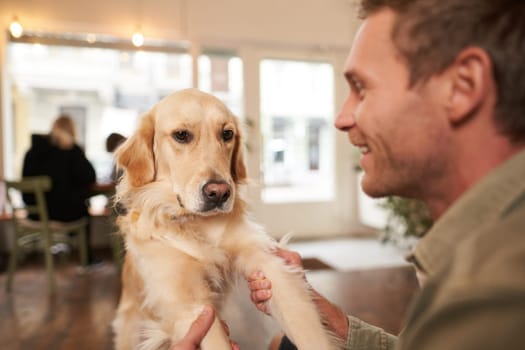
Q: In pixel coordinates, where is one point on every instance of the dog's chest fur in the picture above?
(188, 253)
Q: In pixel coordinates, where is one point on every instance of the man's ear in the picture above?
(135, 155)
(471, 83)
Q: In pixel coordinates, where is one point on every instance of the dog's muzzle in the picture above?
(215, 194)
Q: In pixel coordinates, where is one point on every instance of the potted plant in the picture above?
(407, 220)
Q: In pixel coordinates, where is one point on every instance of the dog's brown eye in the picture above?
(227, 135)
(182, 136)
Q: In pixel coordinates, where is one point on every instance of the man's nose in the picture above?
(345, 120)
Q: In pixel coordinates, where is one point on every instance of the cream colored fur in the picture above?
(180, 254)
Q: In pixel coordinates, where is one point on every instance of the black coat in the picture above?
(72, 176)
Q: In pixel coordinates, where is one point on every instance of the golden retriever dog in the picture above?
(187, 234)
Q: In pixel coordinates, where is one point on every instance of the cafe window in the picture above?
(297, 109)
(220, 73)
(105, 90)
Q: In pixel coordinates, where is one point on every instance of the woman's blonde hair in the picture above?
(62, 132)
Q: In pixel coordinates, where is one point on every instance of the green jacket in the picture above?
(473, 260)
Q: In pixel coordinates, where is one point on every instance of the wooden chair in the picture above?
(116, 241)
(43, 233)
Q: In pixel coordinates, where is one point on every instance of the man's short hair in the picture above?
(429, 34)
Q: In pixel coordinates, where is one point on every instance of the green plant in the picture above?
(407, 219)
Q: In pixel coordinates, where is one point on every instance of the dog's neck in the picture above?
(193, 231)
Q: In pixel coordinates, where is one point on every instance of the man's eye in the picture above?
(182, 136)
(358, 88)
(227, 135)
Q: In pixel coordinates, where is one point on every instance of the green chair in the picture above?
(43, 233)
(116, 240)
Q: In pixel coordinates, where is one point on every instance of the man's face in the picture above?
(398, 129)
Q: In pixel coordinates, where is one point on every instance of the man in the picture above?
(437, 109)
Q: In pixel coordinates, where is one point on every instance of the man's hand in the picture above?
(198, 330)
(261, 292)
(261, 287)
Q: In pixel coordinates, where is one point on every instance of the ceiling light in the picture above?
(15, 28)
(91, 38)
(138, 38)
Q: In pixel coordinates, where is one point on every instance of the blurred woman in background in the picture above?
(72, 175)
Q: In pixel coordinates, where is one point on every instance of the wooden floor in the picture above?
(79, 315)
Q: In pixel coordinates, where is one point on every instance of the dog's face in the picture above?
(191, 141)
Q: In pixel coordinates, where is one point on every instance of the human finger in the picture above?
(290, 257)
(260, 296)
(263, 307)
(198, 330)
(260, 284)
(255, 276)
(225, 327)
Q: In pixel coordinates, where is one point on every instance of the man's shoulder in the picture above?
(493, 259)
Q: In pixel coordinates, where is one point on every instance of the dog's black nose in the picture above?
(216, 192)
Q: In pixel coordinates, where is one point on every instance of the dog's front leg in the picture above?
(291, 304)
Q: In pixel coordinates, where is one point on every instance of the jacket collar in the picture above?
(492, 198)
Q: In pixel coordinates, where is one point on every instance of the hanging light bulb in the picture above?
(15, 28)
(138, 38)
(91, 38)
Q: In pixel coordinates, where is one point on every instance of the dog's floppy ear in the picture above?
(135, 155)
(238, 168)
